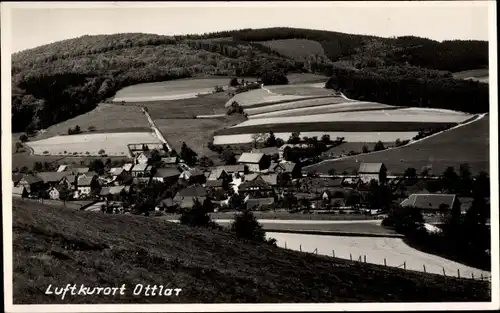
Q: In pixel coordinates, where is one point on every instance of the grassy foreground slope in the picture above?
(56, 246)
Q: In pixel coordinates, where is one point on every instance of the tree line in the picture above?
(410, 86)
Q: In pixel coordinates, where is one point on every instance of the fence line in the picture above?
(363, 259)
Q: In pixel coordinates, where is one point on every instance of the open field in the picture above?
(327, 109)
(311, 102)
(114, 144)
(103, 117)
(394, 250)
(296, 49)
(481, 75)
(186, 108)
(466, 144)
(56, 246)
(405, 115)
(354, 136)
(195, 132)
(170, 90)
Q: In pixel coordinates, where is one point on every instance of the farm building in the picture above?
(215, 184)
(31, 182)
(55, 192)
(51, 178)
(431, 203)
(84, 186)
(112, 191)
(166, 175)
(79, 170)
(186, 197)
(217, 173)
(233, 169)
(255, 162)
(143, 157)
(372, 171)
(256, 187)
(141, 170)
(271, 179)
(165, 205)
(270, 151)
(192, 176)
(285, 167)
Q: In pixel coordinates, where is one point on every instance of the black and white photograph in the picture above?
(249, 156)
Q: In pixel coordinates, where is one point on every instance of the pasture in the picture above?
(113, 144)
(302, 90)
(326, 109)
(105, 117)
(170, 90)
(346, 147)
(195, 132)
(296, 49)
(302, 78)
(186, 108)
(465, 144)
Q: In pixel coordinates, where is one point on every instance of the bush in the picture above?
(365, 149)
(23, 138)
(274, 78)
(379, 146)
(45, 152)
(234, 82)
(197, 216)
(101, 151)
(246, 226)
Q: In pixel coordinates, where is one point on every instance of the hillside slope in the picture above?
(58, 81)
(57, 246)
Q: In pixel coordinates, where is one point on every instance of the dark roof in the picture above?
(232, 168)
(370, 167)
(214, 183)
(32, 179)
(258, 182)
(193, 191)
(84, 181)
(147, 154)
(287, 167)
(430, 201)
(16, 177)
(167, 172)
(51, 177)
(166, 203)
(271, 179)
(170, 160)
(79, 170)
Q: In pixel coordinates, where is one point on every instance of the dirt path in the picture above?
(156, 130)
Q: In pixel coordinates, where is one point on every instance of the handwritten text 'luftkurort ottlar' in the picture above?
(138, 290)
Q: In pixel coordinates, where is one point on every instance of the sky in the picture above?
(31, 27)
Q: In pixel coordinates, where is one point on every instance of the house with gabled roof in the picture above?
(20, 192)
(128, 166)
(144, 157)
(372, 171)
(52, 178)
(166, 175)
(290, 168)
(170, 161)
(32, 183)
(62, 168)
(113, 191)
(16, 177)
(255, 162)
(85, 185)
(79, 170)
(141, 170)
(217, 173)
(185, 197)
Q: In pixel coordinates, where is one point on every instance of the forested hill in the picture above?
(55, 82)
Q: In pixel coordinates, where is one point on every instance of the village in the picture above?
(159, 182)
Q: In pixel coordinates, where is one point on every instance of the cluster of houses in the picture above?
(261, 176)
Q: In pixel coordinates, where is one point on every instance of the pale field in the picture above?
(349, 136)
(394, 250)
(481, 75)
(325, 109)
(297, 86)
(114, 144)
(295, 105)
(402, 115)
(260, 96)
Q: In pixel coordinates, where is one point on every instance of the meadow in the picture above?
(481, 75)
(56, 246)
(465, 144)
(260, 97)
(170, 90)
(105, 117)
